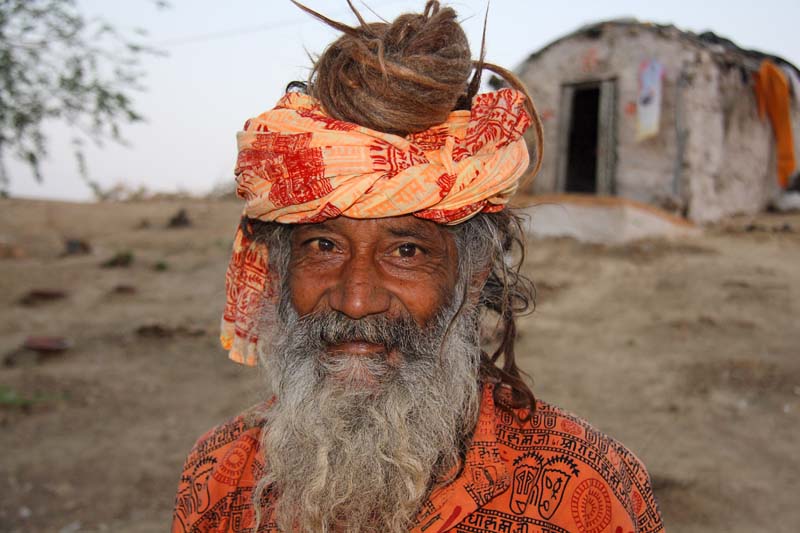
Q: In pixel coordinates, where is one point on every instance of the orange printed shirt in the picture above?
(553, 473)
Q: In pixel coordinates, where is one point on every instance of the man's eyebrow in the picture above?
(317, 226)
(414, 231)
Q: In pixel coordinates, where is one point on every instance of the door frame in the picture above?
(606, 134)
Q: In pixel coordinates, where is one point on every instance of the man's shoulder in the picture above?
(219, 474)
(551, 427)
(554, 448)
(241, 431)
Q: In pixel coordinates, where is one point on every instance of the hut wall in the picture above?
(729, 162)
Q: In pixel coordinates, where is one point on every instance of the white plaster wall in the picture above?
(730, 149)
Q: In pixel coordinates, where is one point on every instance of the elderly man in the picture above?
(374, 244)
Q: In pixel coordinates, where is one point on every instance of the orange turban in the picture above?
(298, 165)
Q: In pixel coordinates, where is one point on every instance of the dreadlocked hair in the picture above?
(494, 243)
(406, 75)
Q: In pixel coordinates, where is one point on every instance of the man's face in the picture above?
(394, 267)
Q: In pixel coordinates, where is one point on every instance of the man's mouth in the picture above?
(363, 348)
(359, 363)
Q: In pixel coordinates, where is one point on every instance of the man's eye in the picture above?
(406, 250)
(323, 245)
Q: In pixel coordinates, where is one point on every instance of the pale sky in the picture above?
(228, 61)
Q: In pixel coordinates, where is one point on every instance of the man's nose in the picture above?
(360, 291)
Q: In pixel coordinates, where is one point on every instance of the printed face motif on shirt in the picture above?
(554, 482)
(200, 496)
(524, 489)
(541, 485)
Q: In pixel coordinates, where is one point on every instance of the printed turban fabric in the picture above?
(298, 165)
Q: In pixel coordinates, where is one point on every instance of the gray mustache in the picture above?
(333, 327)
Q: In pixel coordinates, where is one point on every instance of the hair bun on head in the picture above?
(396, 77)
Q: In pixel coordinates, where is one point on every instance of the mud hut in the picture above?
(659, 115)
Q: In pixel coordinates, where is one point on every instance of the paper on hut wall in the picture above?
(648, 105)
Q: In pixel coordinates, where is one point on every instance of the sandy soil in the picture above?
(686, 351)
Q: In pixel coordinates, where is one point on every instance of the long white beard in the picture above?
(354, 443)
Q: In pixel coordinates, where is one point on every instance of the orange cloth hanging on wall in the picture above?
(772, 95)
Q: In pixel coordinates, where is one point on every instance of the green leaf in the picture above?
(55, 63)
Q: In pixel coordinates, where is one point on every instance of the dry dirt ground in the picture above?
(687, 351)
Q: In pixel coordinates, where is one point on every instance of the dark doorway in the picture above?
(582, 151)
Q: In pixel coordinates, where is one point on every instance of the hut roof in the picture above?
(723, 48)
